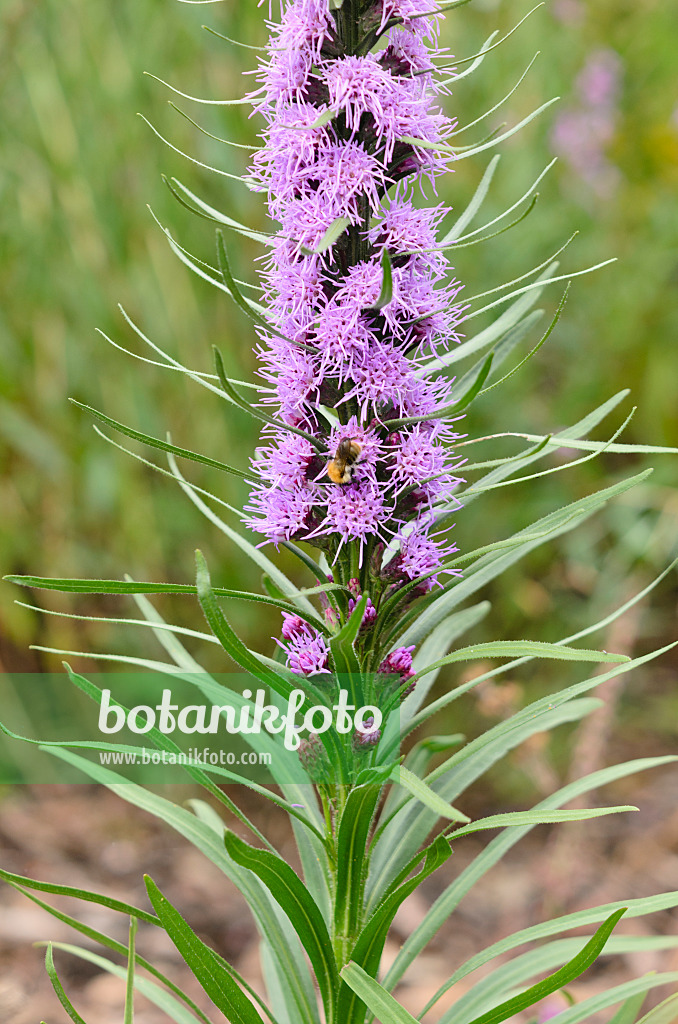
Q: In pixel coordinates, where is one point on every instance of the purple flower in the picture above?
(307, 651)
(398, 662)
(398, 666)
(345, 359)
(370, 612)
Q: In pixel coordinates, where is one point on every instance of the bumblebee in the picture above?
(340, 468)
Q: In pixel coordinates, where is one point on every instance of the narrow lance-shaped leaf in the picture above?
(217, 982)
(79, 894)
(171, 1007)
(536, 348)
(628, 1011)
(123, 587)
(344, 657)
(164, 446)
(226, 636)
(463, 154)
(518, 818)
(292, 895)
(59, 989)
(254, 411)
(338, 226)
(369, 946)
(567, 974)
(476, 202)
(117, 947)
(354, 827)
(448, 410)
(425, 795)
(386, 1008)
(386, 293)
(665, 1013)
(556, 926)
(208, 212)
(129, 991)
(523, 649)
(486, 49)
(381, 1003)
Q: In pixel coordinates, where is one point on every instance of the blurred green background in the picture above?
(78, 171)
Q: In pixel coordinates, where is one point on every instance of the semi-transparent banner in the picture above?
(157, 728)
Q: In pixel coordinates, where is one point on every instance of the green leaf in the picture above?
(380, 1002)
(476, 202)
(550, 261)
(284, 944)
(564, 976)
(536, 348)
(187, 156)
(236, 399)
(402, 837)
(427, 625)
(354, 827)
(425, 795)
(154, 993)
(486, 49)
(369, 946)
(516, 818)
(210, 213)
(504, 322)
(292, 895)
(58, 988)
(460, 154)
(496, 106)
(509, 210)
(386, 293)
(193, 1013)
(345, 660)
(447, 410)
(216, 138)
(164, 742)
(129, 991)
(215, 979)
(547, 528)
(164, 446)
(628, 1012)
(491, 565)
(229, 281)
(475, 389)
(584, 1010)
(539, 284)
(562, 439)
(451, 897)
(254, 553)
(79, 894)
(512, 977)
(246, 101)
(510, 340)
(124, 587)
(523, 649)
(228, 639)
(665, 1013)
(334, 231)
